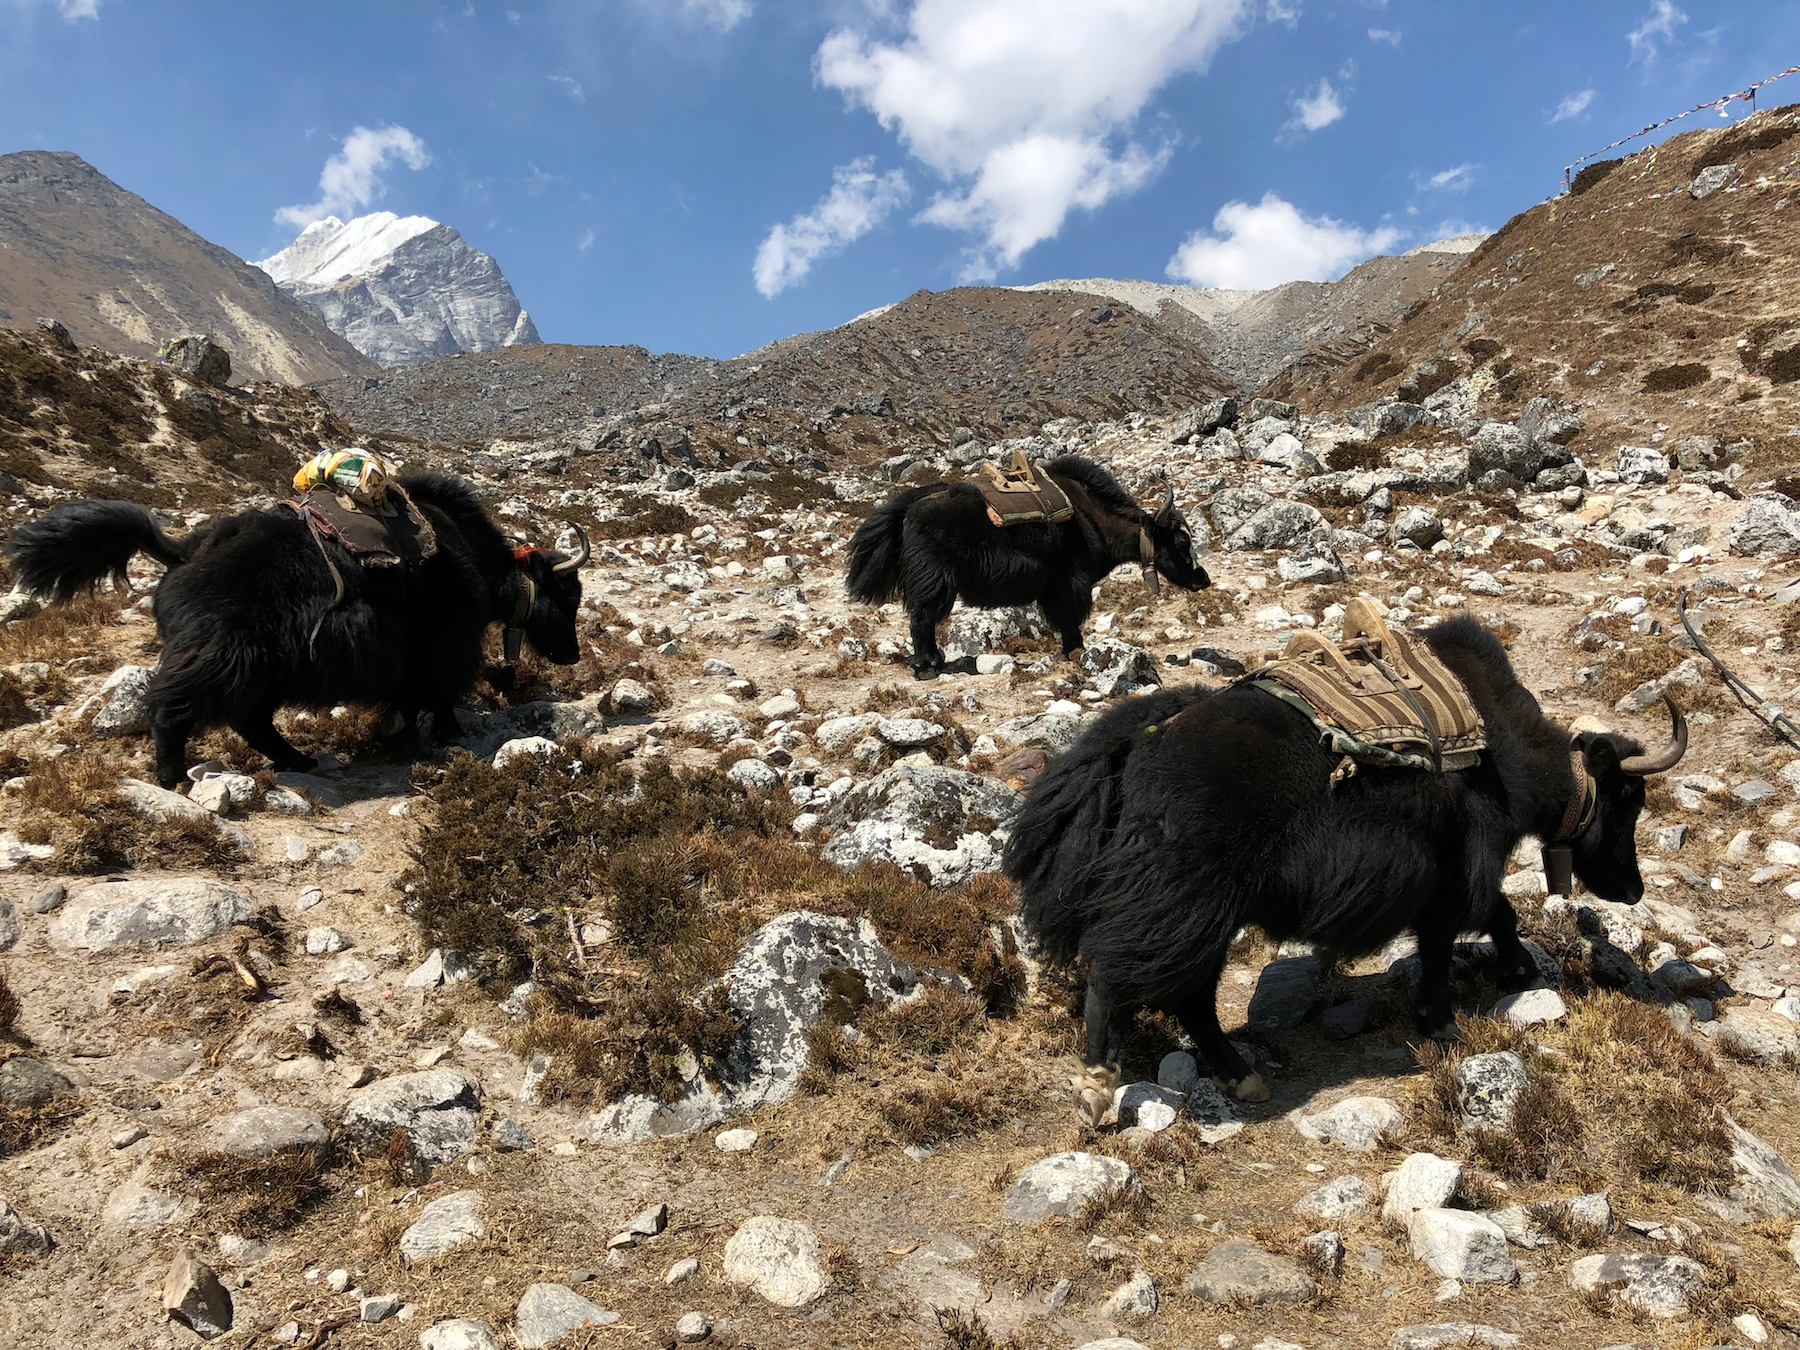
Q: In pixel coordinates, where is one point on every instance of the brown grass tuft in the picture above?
(9, 1007)
(1119, 1208)
(637, 1043)
(937, 1111)
(254, 1196)
(72, 803)
(965, 1331)
(939, 1020)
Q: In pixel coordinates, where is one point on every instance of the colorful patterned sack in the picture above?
(358, 474)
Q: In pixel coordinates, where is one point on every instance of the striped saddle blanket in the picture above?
(1378, 697)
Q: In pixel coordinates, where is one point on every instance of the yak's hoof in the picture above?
(1094, 1092)
(1446, 1031)
(1250, 1088)
(925, 672)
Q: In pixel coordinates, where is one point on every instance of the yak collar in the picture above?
(512, 637)
(1147, 560)
(1559, 853)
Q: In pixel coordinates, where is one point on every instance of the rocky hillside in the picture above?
(901, 381)
(673, 998)
(121, 275)
(402, 290)
(1252, 335)
(1661, 294)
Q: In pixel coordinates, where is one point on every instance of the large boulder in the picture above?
(446, 1223)
(1360, 1124)
(1661, 1286)
(1117, 667)
(550, 1312)
(1462, 1246)
(198, 357)
(975, 632)
(126, 711)
(1487, 1087)
(437, 1108)
(263, 1130)
(167, 911)
(1769, 524)
(793, 973)
(946, 823)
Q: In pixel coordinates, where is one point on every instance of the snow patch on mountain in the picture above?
(402, 289)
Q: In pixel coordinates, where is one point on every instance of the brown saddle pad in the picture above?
(401, 534)
(1378, 697)
(1021, 495)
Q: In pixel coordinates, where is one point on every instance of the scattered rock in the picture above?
(458, 1334)
(132, 1208)
(1765, 1037)
(1487, 1086)
(1462, 1246)
(692, 1328)
(437, 1109)
(780, 1259)
(946, 821)
(1356, 1123)
(20, 1237)
(263, 1130)
(735, 1141)
(444, 1224)
(1285, 992)
(1348, 1197)
(1661, 1286)
(549, 1312)
(1422, 1181)
(193, 1296)
(1063, 1184)
(1136, 1298)
(1533, 1007)
(127, 711)
(27, 1083)
(1238, 1272)
(167, 911)
(524, 745)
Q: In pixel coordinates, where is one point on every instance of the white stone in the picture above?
(735, 1141)
(779, 1259)
(549, 1313)
(1063, 1184)
(1459, 1245)
(524, 745)
(161, 910)
(1356, 1123)
(444, 1224)
(1422, 1181)
(1533, 1007)
(458, 1334)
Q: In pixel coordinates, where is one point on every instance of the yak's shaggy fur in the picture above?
(1185, 815)
(238, 608)
(934, 543)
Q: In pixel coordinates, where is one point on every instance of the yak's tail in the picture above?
(73, 548)
(1063, 835)
(875, 548)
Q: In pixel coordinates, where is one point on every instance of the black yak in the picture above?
(251, 620)
(934, 543)
(1185, 815)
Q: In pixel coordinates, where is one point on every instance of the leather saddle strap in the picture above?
(1418, 709)
(337, 577)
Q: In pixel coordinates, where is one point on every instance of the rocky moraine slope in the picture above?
(674, 998)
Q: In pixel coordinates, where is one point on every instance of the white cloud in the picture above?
(71, 10)
(1459, 179)
(352, 177)
(721, 15)
(1391, 36)
(1020, 105)
(1572, 106)
(1316, 111)
(1281, 11)
(586, 242)
(1253, 247)
(570, 86)
(1660, 23)
(859, 200)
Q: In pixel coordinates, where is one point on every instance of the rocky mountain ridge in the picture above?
(1252, 335)
(77, 248)
(402, 290)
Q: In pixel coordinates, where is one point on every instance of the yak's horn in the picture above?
(1168, 507)
(570, 564)
(1640, 766)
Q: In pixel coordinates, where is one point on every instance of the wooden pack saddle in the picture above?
(1378, 697)
(1020, 495)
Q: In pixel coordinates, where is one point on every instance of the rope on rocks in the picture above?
(1761, 708)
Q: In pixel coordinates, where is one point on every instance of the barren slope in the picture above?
(1650, 306)
(122, 275)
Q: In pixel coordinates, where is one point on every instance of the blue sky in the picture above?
(708, 175)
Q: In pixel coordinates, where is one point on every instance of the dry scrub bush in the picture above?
(685, 865)
(1617, 1097)
(253, 1196)
(72, 803)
